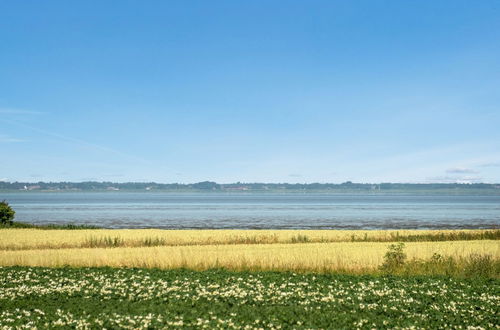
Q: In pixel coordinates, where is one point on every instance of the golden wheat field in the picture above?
(325, 250)
(303, 256)
(26, 239)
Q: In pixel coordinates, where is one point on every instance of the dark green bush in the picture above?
(395, 257)
(6, 213)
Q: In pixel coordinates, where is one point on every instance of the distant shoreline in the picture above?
(493, 192)
(209, 186)
(450, 192)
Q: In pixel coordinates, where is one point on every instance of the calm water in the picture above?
(252, 210)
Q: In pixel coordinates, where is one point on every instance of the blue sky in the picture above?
(267, 91)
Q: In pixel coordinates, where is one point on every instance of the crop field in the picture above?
(356, 257)
(110, 298)
(318, 251)
(143, 279)
(26, 239)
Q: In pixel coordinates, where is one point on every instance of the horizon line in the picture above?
(246, 183)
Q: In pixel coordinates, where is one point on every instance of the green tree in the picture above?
(6, 213)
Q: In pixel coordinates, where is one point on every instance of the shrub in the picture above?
(395, 257)
(6, 213)
(103, 242)
(300, 239)
(153, 241)
(481, 266)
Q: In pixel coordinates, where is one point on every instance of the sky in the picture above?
(250, 91)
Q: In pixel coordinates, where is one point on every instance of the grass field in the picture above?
(85, 298)
(357, 257)
(26, 239)
(288, 250)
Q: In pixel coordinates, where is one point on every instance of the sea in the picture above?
(242, 210)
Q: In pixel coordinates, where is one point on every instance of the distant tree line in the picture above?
(213, 186)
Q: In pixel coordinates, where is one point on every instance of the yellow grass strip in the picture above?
(22, 239)
(297, 257)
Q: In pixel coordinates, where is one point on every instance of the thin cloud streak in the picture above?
(461, 170)
(493, 164)
(77, 141)
(431, 163)
(19, 112)
(8, 139)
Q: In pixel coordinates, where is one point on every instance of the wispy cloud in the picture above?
(75, 141)
(492, 164)
(8, 111)
(461, 170)
(8, 139)
(294, 175)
